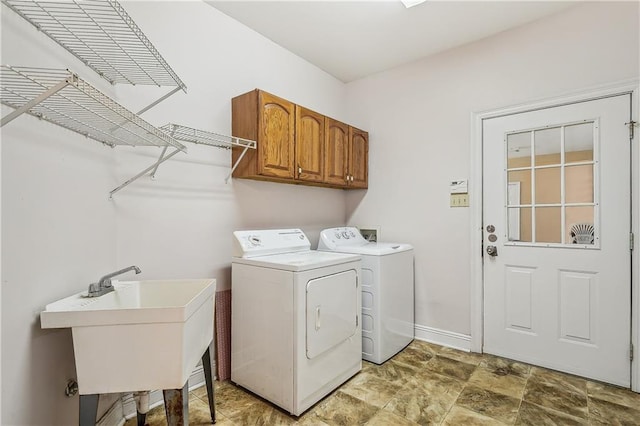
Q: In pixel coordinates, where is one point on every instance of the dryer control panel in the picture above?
(269, 241)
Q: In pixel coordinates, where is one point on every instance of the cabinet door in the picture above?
(358, 158)
(276, 121)
(309, 145)
(336, 151)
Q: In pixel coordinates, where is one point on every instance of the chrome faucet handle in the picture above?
(104, 285)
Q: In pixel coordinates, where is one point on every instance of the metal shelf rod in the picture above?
(26, 107)
(144, 172)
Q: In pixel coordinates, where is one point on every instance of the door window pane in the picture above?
(519, 150)
(548, 225)
(548, 186)
(519, 224)
(579, 184)
(547, 144)
(579, 228)
(520, 182)
(578, 142)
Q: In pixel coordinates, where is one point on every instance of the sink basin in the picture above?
(144, 335)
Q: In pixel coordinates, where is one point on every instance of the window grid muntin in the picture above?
(595, 181)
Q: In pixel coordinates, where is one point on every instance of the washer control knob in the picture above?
(338, 235)
(345, 234)
(353, 234)
(254, 240)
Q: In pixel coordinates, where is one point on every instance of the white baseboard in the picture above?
(443, 337)
(196, 380)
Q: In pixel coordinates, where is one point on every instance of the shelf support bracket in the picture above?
(35, 101)
(244, 151)
(155, 169)
(144, 172)
(154, 103)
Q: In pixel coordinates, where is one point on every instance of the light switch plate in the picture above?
(459, 200)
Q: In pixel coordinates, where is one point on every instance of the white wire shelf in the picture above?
(102, 35)
(63, 98)
(203, 137)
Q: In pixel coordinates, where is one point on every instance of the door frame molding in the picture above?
(475, 199)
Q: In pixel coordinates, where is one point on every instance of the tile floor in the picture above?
(427, 384)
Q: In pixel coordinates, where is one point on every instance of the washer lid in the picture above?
(375, 249)
(349, 240)
(300, 261)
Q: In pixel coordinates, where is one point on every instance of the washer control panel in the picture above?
(340, 237)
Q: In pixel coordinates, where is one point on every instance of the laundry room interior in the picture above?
(415, 90)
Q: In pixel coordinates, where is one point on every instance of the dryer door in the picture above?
(332, 311)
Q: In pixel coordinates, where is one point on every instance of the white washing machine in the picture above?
(387, 291)
(295, 318)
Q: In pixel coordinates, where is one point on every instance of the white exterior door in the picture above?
(557, 288)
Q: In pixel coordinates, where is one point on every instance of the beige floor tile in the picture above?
(451, 367)
(261, 414)
(425, 345)
(343, 409)
(415, 355)
(425, 399)
(199, 413)
(613, 394)
(462, 356)
(461, 416)
(387, 418)
(505, 384)
(557, 391)
(393, 372)
(567, 381)
(504, 366)
(608, 413)
(231, 399)
(491, 404)
(371, 389)
(534, 415)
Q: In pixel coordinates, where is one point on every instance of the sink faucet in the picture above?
(103, 286)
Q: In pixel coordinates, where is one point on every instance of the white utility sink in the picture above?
(144, 335)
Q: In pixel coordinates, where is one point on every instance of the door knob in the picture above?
(492, 250)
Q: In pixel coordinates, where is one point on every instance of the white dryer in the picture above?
(295, 318)
(387, 291)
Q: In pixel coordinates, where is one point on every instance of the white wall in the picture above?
(60, 231)
(419, 121)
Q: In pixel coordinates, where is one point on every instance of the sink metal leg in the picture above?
(141, 418)
(206, 363)
(88, 409)
(176, 405)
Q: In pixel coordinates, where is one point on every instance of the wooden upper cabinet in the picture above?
(310, 160)
(296, 144)
(358, 158)
(270, 121)
(336, 152)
